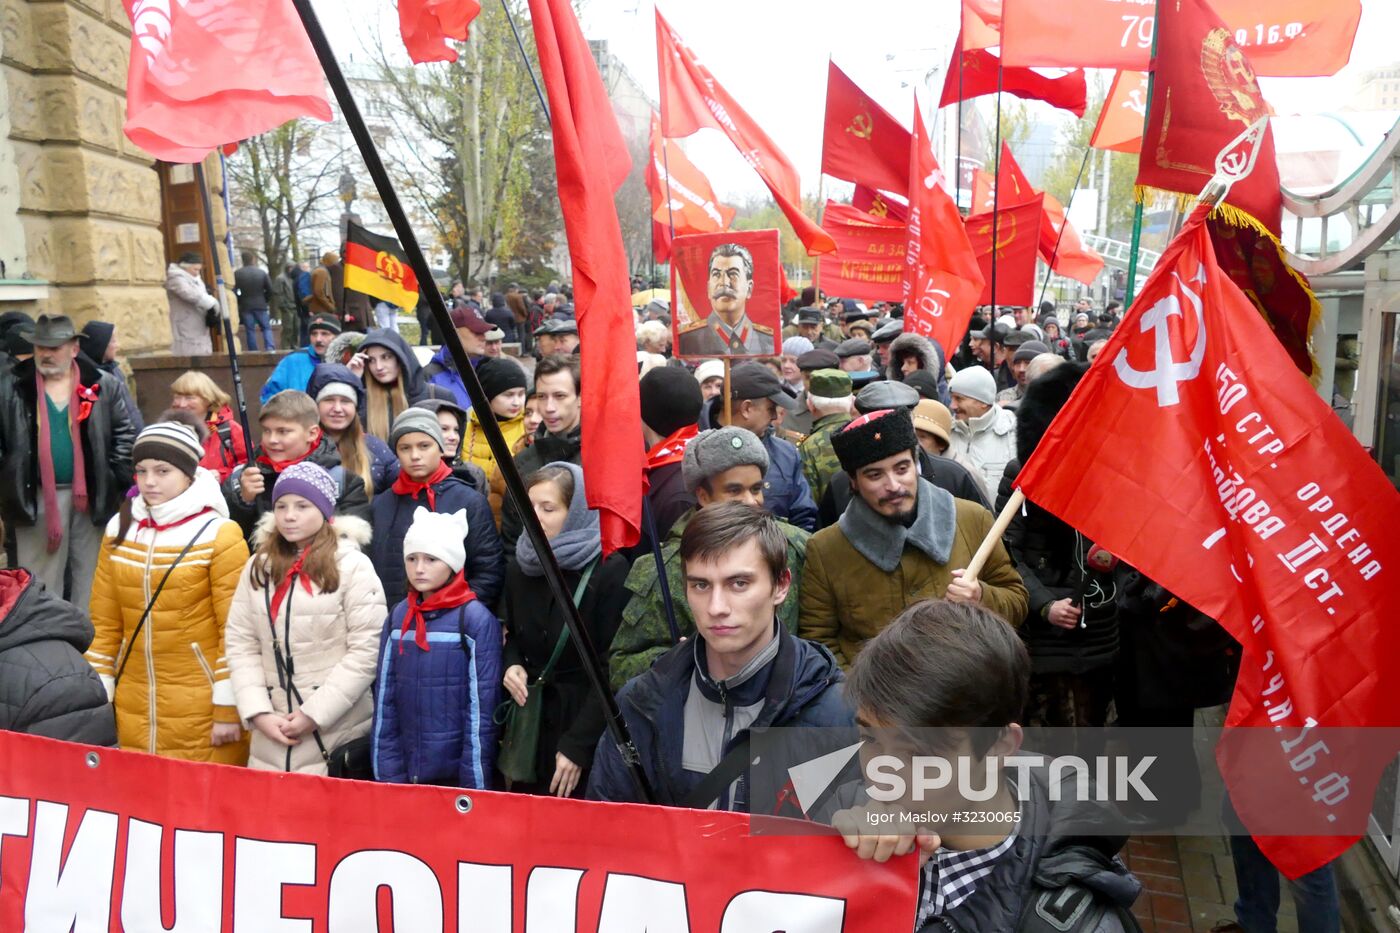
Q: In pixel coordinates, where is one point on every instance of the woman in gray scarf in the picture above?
(572, 715)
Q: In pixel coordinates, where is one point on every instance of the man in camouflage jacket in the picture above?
(829, 399)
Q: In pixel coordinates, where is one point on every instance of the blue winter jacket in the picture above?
(786, 492)
(393, 514)
(293, 372)
(802, 688)
(441, 371)
(434, 710)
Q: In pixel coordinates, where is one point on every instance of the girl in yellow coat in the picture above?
(167, 675)
(504, 382)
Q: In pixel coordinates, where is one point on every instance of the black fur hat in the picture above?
(874, 437)
(1043, 400)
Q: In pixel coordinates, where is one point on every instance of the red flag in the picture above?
(693, 207)
(660, 242)
(1124, 111)
(942, 279)
(1253, 503)
(1204, 96)
(978, 77)
(981, 24)
(591, 162)
(869, 258)
(427, 25)
(1285, 38)
(203, 75)
(861, 142)
(984, 190)
(1061, 247)
(691, 99)
(1017, 241)
(879, 204)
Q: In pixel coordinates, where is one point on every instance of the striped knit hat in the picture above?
(171, 442)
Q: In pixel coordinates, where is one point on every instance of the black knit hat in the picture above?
(873, 437)
(499, 375)
(670, 399)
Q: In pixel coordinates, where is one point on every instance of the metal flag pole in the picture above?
(500, 450)
(1231, 165)
(1050, 269)
(238, 397)
(996, 192)
(1131, 291)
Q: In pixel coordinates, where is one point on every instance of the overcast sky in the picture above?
(771, 55)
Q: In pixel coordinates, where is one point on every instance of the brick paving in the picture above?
(1188, 884)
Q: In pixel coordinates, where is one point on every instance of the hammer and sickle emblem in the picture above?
(1166, 373)
(878, 207)
(861, 126)
(389, 267)
(1005, 231)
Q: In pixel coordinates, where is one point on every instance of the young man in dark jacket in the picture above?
(949, 680)
(699, 700)
(559, 438)
(46, 687)
(425, 479)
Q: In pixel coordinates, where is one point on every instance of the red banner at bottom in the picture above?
(97, 840)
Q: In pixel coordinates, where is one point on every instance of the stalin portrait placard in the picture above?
(724, 294)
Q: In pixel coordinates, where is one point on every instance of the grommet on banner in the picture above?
(464, 804)
(93, 759)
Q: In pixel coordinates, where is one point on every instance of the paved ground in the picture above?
(1188, 884)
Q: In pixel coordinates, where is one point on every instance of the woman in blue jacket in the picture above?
(439, 674)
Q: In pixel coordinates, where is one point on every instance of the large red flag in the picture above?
(1017, 231)
(861, 141)
(1061, 247)
(978, 77)
(869, 260)
(691, 100)
(1253, 503)
(1285, 38)
(1204, 96)
(591, 162)
(942, 279)
(693, 205)
(427, 25)
(203, 75)
(1124, 111)
(981, 24)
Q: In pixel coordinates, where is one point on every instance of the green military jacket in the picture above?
(644, 635)
(819, 456)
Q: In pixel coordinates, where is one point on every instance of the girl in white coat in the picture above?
(303, 631)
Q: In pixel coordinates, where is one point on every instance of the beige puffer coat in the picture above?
(332, 642)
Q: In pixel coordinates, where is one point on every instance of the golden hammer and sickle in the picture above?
(1006, 231)
(878, 207)
(861, 126)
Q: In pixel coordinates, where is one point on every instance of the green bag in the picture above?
(520, 733)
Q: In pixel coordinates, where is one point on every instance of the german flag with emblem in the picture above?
(377, 266)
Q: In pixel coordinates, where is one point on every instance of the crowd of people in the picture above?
(352, 592)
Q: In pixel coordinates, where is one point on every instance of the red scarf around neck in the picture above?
(279, 465)
(405, 486)
(672, 449)
(457, 592)
(151, 523)
(53, 522)
(285, 586)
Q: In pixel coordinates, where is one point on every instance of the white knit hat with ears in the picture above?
(438, 535)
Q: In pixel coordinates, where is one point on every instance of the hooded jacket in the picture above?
(930, 357)
(475, 449)
(393, 515)
(989, 441)
(189, 300)
(415, 384)
(801, 686)
(107, 436)
(175, 684)
(384, 466)
(1060, 845)
(442, 371)
(331, 641)
(434, 710)
(293, 372)
(785, 490)
(547, 448)
(46, 687)
(1051, 556)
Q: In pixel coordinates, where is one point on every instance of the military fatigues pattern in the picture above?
(819, 460)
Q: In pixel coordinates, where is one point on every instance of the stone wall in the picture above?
(87, 200)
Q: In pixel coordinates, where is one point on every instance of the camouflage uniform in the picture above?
(643, 635)
(818, 456)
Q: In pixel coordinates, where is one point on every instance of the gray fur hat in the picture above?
(710, 453)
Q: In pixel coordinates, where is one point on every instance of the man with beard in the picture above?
(65, 458)
(727, 330)
(900, 540)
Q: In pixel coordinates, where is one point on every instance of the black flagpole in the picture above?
(239, 399)
(1050, 269)
(996, 194)
(515, 487)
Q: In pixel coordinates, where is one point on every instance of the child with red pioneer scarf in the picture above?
(425, 480)
(439, 676)
(303, 630)
(290, 426)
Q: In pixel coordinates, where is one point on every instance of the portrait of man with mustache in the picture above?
(727, 330)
